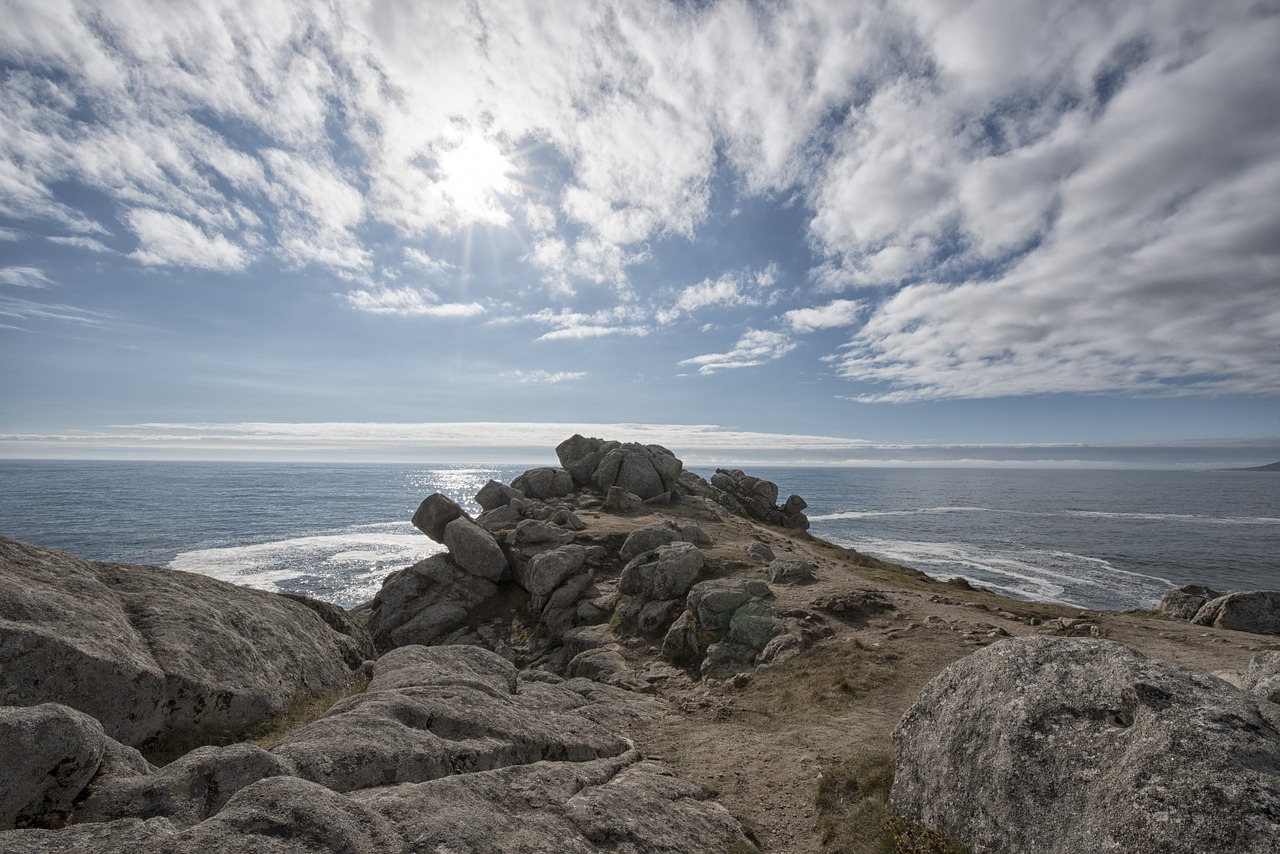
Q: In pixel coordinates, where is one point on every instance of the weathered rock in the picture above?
(475, 550)
(495, 494)
(761, 552)
(1183, 602)
(564, 518)
(543, 483)
(1054, 745)
(667, 572)
(580, 457)
(186, 791)
(163, 659)
(434, 513)
(533, 536)
(647, 538)
(1261, 677)
(424, 602)
(48, 755)
(619, 803)
(790, 571)
(548, 570)
(340, 620)
(502, 518)
(409, 726)
(711, 609)
(656, 616)
(757, 498)
(618, 500)
(1249, 611)
(691, 532)
(560, 613)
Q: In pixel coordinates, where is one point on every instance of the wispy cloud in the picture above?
(567, 325)
(24, 277)
(408, 302)
(165, 239)
(755, 347)
(837, 313)
(544, 377)
(21, 309)
(86, 243)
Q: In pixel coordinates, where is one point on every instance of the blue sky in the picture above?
(902, 232)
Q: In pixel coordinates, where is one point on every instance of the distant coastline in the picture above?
(1267, 467)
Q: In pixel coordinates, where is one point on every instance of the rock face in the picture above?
(48, 755)
(725, 628)
(1251, 611)
(422, 603)
(1261, 677)
(163, 659)
(1050, 745)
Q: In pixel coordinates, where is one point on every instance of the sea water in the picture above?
(1093, 539)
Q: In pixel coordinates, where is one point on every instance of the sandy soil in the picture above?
(760, 743)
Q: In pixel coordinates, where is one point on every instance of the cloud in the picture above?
(837, 313)
(11, 235)
(569, 325)
(423, 261)
(21, 309)
(755, 347)
(86, 243)
(408, 302)
(24, 277)
(544, 377)
(164, 239)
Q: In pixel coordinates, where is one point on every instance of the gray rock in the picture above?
(656, 616)
(434, 513)
(532, 536)
(163, 659)
(559, 614)
(790, 570)
(735, 614)
(643, 470)
(424, 602)
(757, 498)
(667, 572)
(647, 538)
(580, 457)
(1250, 611)
(409, 726)
(543, 483)
(617, 804)
(1050, 745)
(340, 620)
(1183, 602)
(48, 755)
(584, 638)
(499, 519)
(495, 494)
(186, 791)
(475, 550)
(564, 518)
(618, 500)
(761, 552)
(691, 532)
(1262, 677)
(752, 626)
(547, 570)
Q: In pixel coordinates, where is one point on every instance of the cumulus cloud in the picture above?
(755, 347)
(837, 313)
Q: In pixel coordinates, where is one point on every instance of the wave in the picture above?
(1177, 517)
(1040, 575)
(914, 511)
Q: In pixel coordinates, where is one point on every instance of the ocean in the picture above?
(1087, 538)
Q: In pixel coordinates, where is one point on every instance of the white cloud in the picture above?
(568, 325)
(837, 313)
(424, 262)
(86, 243)
(24, 277)
(11, 235)
(21, 309)
(166, 239)
(408, 302)
(755, 347)
(540, 377)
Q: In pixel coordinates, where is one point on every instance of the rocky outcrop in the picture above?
(726, 628)
(758, 499)
(163, 659)
(48, 755)
(1182, 603)
(424, 602)
(543, 483)
(448, 750)
(1051, 744)
(647, 471)
(1248, 611)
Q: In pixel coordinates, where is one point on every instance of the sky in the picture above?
(823, 231)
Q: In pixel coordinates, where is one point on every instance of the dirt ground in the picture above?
(760, 743)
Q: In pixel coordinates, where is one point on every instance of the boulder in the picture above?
(647, 538)
(548, 570)
(760, 552)
(1052, 744)
(434, 513)
(340, 620)
(724, 627)
(495, 494)
(48, 755)
(580, 457)
(1250, 611)
(790, 571)
(475, 550)
(165, 660)
(502, 518)
(544, 483)
(533, 536)
(424, 602)
(666, 572)
(1183, 602)
(1261, 677)
(618, 500)
(646, 471)
(757, 498)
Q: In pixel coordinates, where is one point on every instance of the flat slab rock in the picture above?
(1050, 745)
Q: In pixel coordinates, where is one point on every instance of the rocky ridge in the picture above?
(606, 625)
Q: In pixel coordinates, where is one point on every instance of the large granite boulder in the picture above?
(1247, 611)
(475, 549)
(1183, 603)
(1049, 744)
(435, 512)
(48, 755)
(758, 498)
(495, 494)
(424, 602)
(726, 628)
(163, 659)
(544, 483)
(647, 471)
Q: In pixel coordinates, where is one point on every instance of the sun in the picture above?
(475, 175)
